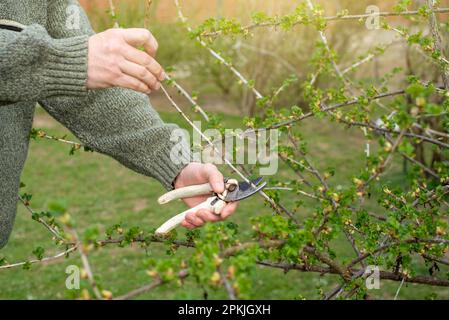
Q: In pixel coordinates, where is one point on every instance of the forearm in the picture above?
(35, 66)
(122, 124)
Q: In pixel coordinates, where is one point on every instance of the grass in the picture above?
(100, 192)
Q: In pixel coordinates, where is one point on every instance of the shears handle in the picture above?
(213, 204)
(186, 192)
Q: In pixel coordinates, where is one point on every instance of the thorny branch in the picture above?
(344, 17)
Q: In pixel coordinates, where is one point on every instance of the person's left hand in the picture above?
(198, 173)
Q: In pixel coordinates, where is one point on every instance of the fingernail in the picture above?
(158, 86)
(163, 76)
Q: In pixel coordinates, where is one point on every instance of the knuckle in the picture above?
(158, 70)
(142, 73)
(145, 34)
(118, 61)
(113, 46)
(153, 82)
(146, 60)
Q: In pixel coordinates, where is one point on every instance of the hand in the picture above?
(198, 173)
(114, 61)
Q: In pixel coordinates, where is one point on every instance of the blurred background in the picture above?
(98, 192)
(268, 57)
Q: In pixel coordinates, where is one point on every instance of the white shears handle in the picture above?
(212, 204)
(185, 192)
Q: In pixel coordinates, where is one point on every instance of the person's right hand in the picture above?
(114, 61)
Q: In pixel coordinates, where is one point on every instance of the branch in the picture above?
(274, 24)
(344, 273)
(136, 292)
(87, 267)
(385, 275)
(326, 45)
(406, 134)
(439, 260)
(389, 245)
(52, 230)
(46, 259)
(228, 287)
(414, 161)
(184, 93)
(112, 12)
(330, 108)
(381, 168)
(218, 56)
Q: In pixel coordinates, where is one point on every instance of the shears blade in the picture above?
(245, 190)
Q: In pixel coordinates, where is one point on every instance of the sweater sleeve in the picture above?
(35, 66)
(118, 122)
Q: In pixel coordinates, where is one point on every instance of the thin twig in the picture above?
(35, 261)
(112, 12)
(427, 280)
(337, 18)
(399, 289)
(146, 288)
(52, 230)
(215, 54)
(86, 265)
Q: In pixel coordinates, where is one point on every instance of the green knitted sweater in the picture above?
(46, 63)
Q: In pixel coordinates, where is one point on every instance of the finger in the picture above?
(215, 178)
(187, 225)
(143, 59)
(194, 220)
(141, 37)
(229, 209)
(141, 73)
(129, 82)
(208, 216)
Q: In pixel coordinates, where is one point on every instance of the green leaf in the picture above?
(39, 252)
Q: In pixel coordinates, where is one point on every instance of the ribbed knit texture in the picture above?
(47, 63)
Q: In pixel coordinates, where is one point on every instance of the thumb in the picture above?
(214, 177)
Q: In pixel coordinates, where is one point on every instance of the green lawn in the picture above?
(98, 191)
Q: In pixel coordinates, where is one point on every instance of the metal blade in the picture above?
(246, 190)
(243, 186)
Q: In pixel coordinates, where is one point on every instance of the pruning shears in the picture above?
(234, 191)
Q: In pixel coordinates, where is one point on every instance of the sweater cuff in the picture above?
(171, 160)
(65, 67)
